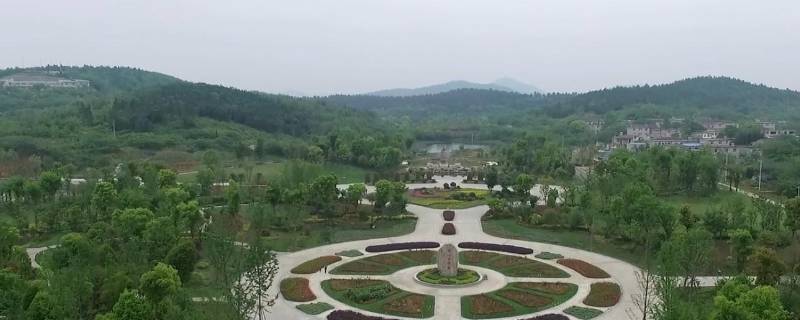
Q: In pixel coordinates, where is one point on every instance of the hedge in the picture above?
(449, 215)
(448, 229)
(402, 246)
(314, 308)
(550, 316)
(495, 247)
(352, 315)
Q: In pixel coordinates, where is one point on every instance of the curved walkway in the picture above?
(468, 226)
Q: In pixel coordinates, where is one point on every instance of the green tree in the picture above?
(167, 178)
(9, 235)
(736, 300)
(159, 283)
(233, 197)
(12, 295)
(742, 246)
(523, 185)
(767, 266)
(104, 200)
(205, 179)
(183, 257)
(354, 193)
(792, 207)
(44, 307)
(491, 178)
(323, 194)
(51, 183)
(131, 223)
(131, 306)
(716, 221)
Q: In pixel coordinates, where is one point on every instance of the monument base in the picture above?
(434, 277)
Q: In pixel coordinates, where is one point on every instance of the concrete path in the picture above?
(33, 252)
(448, 303)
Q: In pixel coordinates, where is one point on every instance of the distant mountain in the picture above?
(503, 84)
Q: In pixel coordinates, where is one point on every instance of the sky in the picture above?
(354, 46)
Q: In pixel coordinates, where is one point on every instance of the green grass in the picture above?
(350, 253)
(380, 306)
(213, 310)
(583, 313)
(548, 256)
(314, 308)
(512, 266)
(440, 201)
(518, 309)
(463, 277)
(699, 205)
(272, 169)
(385, 264)
(320, 234)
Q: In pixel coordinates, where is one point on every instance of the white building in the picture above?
(29, 80)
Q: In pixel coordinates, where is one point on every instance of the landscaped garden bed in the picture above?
(549, 316)
(352, 315)
(516, 299)
(448, 229)
(463, 277)
(583, 313)
(402, 246)
(584, 268)
(380, 297)
(297, 290)
(314, 308)
(315, 265)
(603, 294)
(450, 198)
(495, 247)
(386, 263)
(349, 253)
(449, 215)
(549, 256)
(513, 266)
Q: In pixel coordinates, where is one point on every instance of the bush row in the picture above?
(449, 215)
(551, 316)
(448, 229)
(495, 247)
(351, 315)
(402, 246)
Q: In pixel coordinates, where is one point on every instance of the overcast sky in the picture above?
(321, 47)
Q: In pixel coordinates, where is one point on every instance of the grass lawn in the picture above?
(699, 205)
(442, 198)
(271, 170)
(387, 263)
(212, 310)
(512, 266)
(381, 297)
(515, 299)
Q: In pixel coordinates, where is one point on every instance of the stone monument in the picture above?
(447, 260)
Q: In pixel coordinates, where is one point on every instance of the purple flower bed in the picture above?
(351, 315)
(449, 215)
(402, 246)
(448, 229)
(495, 247)
(551, 316)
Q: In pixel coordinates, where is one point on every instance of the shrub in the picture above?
(402, 246)
(583, 313)
(349, 253)
(344, 284)
(314, 308)
(449, 215)
(315, 265)
(603, 294)
(351, 315)
(369, 294)
(550, 316)
(297, 290)
(495, 247)
(584, 268)
(549, 256)
(448, 229)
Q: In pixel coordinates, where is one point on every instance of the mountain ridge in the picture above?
(503, 84)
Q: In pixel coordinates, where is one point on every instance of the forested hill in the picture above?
(455, 102)
(702, 96)
(181, 102)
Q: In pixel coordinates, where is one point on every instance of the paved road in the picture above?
(33, 252)
(468, 226)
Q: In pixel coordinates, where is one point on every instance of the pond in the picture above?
(450, 147)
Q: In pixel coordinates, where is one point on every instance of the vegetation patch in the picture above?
(449, 215)
(402, 246)
(536, 269)
(556, 288)
(380, 297)
(512, 266)
(584, 268)
(385, 264)
(549, 316)
(314, 308)
(315, 265)
(352, 315)
(603, 294)
(482, 305)
(448, 229)
(475, 257)
(495, 247)
(527, 299)
(450, 198)
(349, 253)
(549, 256)
(297, 290)
(464, 276)
(516, 299)
(583, 313)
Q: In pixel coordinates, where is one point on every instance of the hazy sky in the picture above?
(328, 46)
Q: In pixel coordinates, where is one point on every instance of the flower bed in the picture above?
(513, 266)
(449, 215)
(315, 265)
(379, 296)
(344, 284)
(557, 288)
(482, 305)
(402, 246)
(297, 290)
(549, 316)
(351, 315)
(603, 294)
(583, 313)
(584, 268)
(448, 229)
(535, 269)
(410, 305)
(475, 257)
(513, 300)
(384, 264)
(314, 308)
(549, 256)
(389, 259)
(361, 267)
(464, 276)
(349, 253)
(495, 247)
(528, 299)
(419, 256)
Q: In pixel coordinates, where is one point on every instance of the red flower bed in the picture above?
(584, 268)
(449, 215)
(603, 294)
(351, 315)
(448, 229)
(551, 316)
(495, 247)
(297, 290)
(402, 246)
